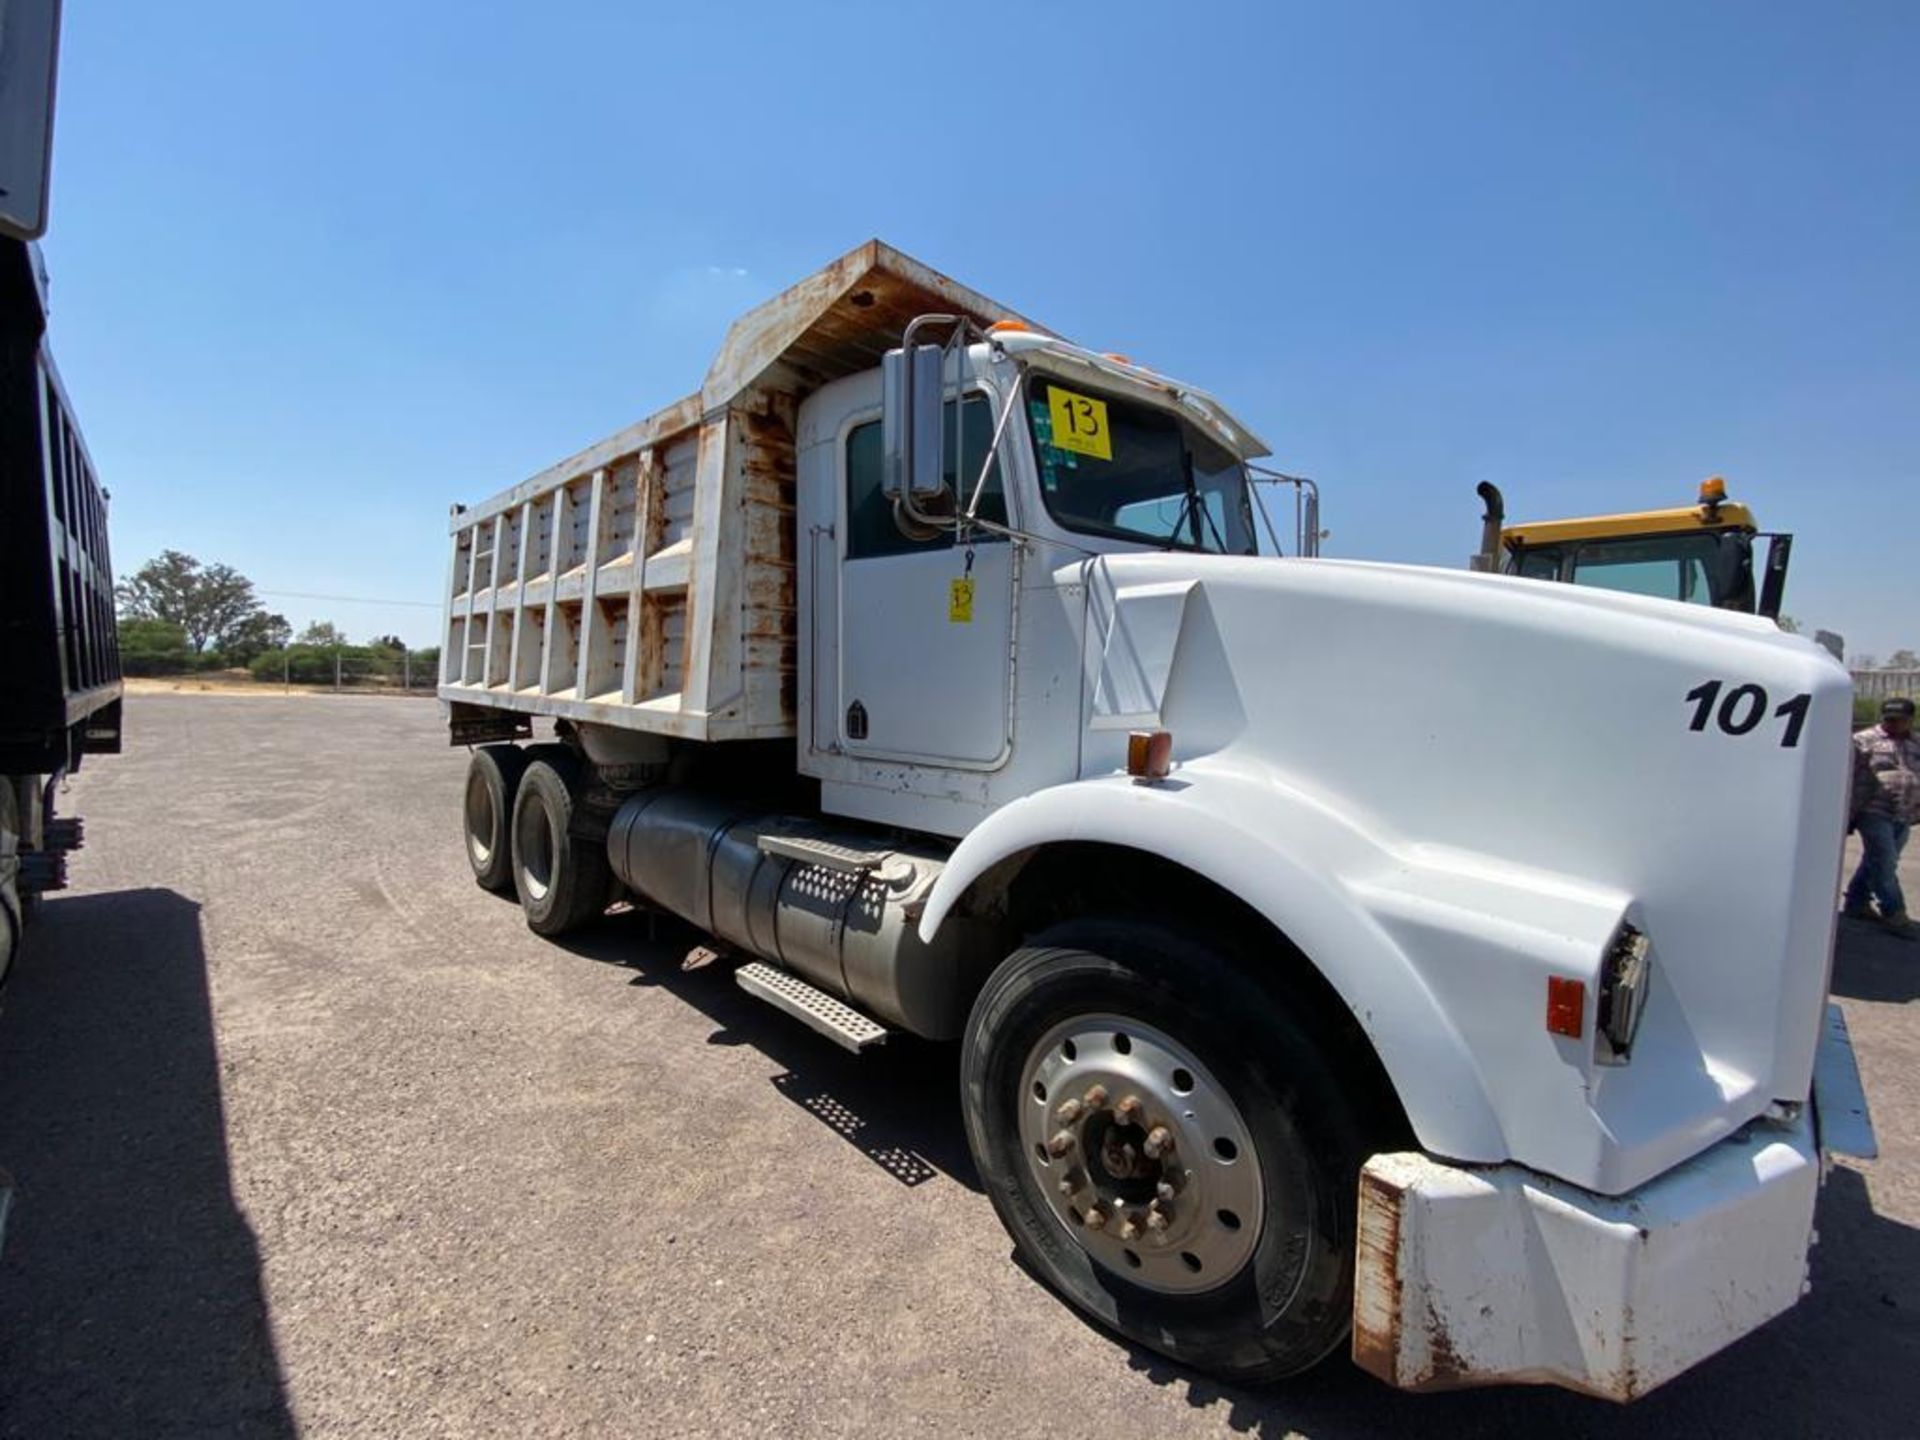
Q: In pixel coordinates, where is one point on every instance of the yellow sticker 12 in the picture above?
(960, 602)
(1079, 423)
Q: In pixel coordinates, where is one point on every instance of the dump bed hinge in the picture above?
(839, 1022)
(848, 859)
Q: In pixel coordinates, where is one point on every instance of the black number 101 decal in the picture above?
(1744, 707)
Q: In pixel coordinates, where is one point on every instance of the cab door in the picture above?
(925, 626)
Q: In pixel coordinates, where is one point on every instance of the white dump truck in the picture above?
(946, 673)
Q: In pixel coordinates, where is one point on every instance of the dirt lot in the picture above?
(311, 1136)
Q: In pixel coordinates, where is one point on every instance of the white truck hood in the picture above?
(1498, 772)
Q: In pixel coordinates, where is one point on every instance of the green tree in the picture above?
(1903, 660)
(324, 634)
(154, 647)
(207, 602)
(255, 635)
(1788, 624)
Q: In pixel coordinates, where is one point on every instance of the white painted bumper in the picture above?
(1499, 1275)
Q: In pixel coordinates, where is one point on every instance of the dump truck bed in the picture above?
(59, 649)
(647, 582)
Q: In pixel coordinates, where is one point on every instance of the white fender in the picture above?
(1199, 820)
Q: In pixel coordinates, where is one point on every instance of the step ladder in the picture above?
(830, 854)
(783, 990)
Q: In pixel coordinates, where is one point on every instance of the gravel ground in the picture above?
(311, 1136)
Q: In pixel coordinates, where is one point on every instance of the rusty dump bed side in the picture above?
(648, 582)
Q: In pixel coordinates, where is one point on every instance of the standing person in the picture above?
(1886, 802)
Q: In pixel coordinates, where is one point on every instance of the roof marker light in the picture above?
(1009, 327)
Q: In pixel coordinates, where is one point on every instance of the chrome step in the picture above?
(783, 990)
(848, 859)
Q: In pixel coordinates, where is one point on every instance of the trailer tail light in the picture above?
(1149, 754)
(1626, 975)
(1566, 1006)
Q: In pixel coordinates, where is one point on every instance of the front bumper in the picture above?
(1500, 1275)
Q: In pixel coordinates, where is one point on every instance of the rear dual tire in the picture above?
(493, 782)
(562, 878)
(519, 821)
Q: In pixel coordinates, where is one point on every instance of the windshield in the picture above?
(1119, 468)
(1710, 568)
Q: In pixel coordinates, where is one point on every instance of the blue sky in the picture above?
(320, 271)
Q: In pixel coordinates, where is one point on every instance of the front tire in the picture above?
(1169, 1145)
(563, 880)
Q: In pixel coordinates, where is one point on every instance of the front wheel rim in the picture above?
(1140, 1153)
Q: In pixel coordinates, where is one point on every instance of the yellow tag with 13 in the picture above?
(1079, 423)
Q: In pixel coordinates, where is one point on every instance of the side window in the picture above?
(870, 527)
(1538, 564)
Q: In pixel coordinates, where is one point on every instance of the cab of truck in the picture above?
(1699, 554)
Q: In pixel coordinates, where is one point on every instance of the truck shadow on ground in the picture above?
(1871, 963)
(898, 1104)
(131, 1283)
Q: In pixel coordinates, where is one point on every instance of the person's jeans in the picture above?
(1882, 838)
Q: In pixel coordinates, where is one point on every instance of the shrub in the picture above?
(154, 647)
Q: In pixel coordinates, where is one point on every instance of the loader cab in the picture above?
(1698, 555)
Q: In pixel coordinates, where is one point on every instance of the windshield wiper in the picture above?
(1193, 510)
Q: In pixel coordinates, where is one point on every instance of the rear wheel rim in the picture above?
(533, 842)
(1140, 1153)
(482, 819)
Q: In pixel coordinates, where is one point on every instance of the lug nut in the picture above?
(1163, 1193)
(1060, 1144)
(1128, 1109)
(1096, 1219)
(1129, 1230)
(1159, 1141)
(1068, 1112)
(1071, 1182)
(1096, 1096)
(1156, 1222)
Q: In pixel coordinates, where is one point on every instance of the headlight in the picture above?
(1626, 975)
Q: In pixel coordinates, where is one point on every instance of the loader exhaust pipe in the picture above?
(1488, 559)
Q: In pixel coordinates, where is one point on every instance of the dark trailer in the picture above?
(59, 651)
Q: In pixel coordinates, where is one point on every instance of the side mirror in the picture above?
(1773, 587)
(912, 412)
(29, 49)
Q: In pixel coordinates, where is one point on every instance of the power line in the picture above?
(348, 599)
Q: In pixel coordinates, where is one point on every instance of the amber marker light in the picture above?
(1149, 754)
(1009, 327)
(1566, 1006)
(1713, 490)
